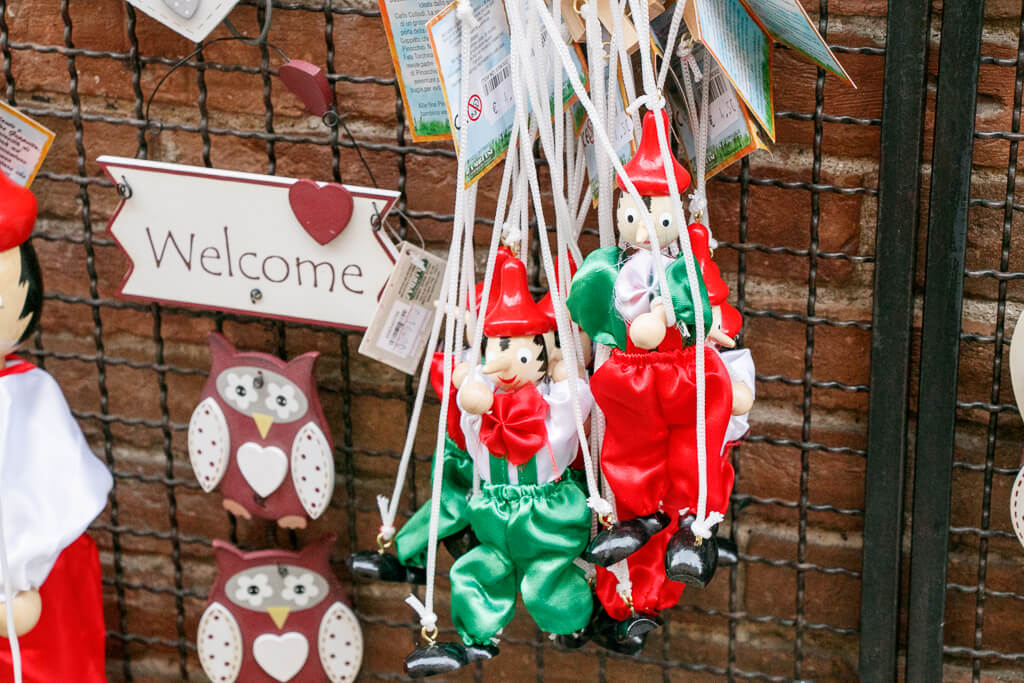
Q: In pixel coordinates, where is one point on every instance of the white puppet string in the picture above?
(520, 65)
(463, 199)
(389, 507)
(12, 633)
(602, 136)
(702, 524)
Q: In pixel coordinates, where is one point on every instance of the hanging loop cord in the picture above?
(12, 634)
(520, 67)
(698, 199)
(464, 206)
(702, 525)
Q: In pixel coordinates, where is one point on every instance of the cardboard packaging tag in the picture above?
(398, 332)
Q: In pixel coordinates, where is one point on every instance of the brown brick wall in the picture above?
(117, 389)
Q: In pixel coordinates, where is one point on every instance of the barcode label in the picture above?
(717, 86)
(496, 77)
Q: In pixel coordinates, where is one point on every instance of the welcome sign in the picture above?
(253, 244)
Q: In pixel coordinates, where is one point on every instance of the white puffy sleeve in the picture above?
(740, 365)
(561, 425)
(52, 486)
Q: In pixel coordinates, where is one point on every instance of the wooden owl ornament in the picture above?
(276, 616)
(259, 436)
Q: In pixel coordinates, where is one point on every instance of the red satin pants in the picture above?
(649, 456)
(68, 642)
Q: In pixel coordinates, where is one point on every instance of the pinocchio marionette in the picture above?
(647, 391)
(531, 518)
(51, 488)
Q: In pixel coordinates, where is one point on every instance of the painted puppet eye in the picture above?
(630, 215)
(524, 356)
(666, 220)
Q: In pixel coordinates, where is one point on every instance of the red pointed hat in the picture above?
(17, 213)
(646, 169)
(512, 312)
(545, 303)
(718, 290)
(502, 254)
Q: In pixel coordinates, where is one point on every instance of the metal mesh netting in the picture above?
(796, 230)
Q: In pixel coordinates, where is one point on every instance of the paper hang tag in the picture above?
(24, 144)
(413, 58)
(741, 48)
(397, 334)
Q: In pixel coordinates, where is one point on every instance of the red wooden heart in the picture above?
(309, 84)
(323, 211)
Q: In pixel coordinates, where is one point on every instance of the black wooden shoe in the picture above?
(624, 538)
(481, 653)
(434, 659)
(461, 542)
(378, 566)
(689, 559)
(636, 626)
(607, 632)
(576, 639)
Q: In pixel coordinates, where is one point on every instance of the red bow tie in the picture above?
(514, 428)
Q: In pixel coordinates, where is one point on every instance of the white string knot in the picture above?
(698, 205)
(428, 620)
(387, 519)
(511, 233)
(464, 13)
(599, 505)
(653, 101)
(703, 528)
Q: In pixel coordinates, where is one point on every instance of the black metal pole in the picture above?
(899, 195)
(959, 56)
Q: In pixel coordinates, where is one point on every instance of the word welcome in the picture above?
(251, 265)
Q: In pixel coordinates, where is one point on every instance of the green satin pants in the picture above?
(530, 535)
(457, 475)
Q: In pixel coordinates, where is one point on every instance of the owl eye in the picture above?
(300, 589)
(237, 391)
(281, 400)
(253, 589)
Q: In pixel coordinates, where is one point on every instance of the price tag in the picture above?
(397, 334)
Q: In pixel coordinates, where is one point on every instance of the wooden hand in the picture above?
(742, 398)
(28, 607)
(648, 330)
(476, 398)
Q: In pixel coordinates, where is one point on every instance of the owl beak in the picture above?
(279, 615)
(263, 423)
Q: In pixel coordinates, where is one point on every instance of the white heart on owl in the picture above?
(281, 656)
(264, 467)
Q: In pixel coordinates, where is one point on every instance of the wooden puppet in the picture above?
(531, 518)
(52, 487)
(647, 392)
